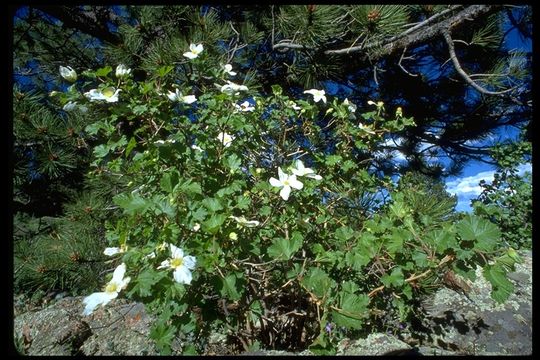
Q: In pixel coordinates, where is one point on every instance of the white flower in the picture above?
(110, 251)
(285, 182)
(177, 96)
(112, 289)
(225, 139)
(174, 96)
(194, 51)
(232, 88)
(70, 106)
(317, 95)
(68, 73)
(350, 106)
(195, 147)
(378, 104)
(196, 227)
(242, 221)
(304, 171)
(228, 69)
(122, 71)
(245, 106)
(180, 264)
(150, 256)
(366, 128)
(293, 105)
(188, 99)
(108, 94)
(162, 142)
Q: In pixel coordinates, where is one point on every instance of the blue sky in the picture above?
(466, 186)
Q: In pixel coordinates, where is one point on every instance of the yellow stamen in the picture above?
(177, 262)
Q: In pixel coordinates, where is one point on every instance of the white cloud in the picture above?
(467, 188)
(469, 185)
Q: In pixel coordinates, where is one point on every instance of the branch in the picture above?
(86, 22)
(462, 72)
(401, 66)
(396, 37)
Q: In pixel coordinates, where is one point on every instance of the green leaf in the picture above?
(101, 151)
(189, 349)
(395, 279)
(394, 242)
(349, 287)
(352, 310)
(344, 233)
(233, 162)
(284, 249)
(212, 204)
(442, 240)
(356, 259)
(190, 187)
(132, 203)
(130, 146)
(163, 334)
(163, 206)
(104, 71)
(229, 287)
(502, 288)
(318, 282)
(482, 231)
(199, 214)
(213, 224)
(140, 109)
(332, 160)
(276, 90)
(420, 258)
(145, 281)
(169, 181)
(164, 70)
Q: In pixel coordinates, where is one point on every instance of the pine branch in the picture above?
(421, 32)
(89, 22)
(462, 72)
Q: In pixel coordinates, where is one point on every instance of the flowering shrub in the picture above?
(317, 252)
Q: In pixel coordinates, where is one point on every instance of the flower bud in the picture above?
(122, 71)
(68, 73)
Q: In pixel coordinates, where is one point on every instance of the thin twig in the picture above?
(459, 69)
(401, 66)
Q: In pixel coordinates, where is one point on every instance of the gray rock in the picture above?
(477, 324)
(374, 344)
(120, 328)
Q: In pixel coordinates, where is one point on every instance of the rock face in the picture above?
(454, 324)
(121, 328)
(477, 324)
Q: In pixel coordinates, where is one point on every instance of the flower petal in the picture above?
(275, 182)
(110, 251)
(190, 261)
(285, 192)
(176, 252)
(295, 183)
(119, 272)
(282, 176)
(164, 264)
(182, 275)
(314, 176)
(95, 299)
